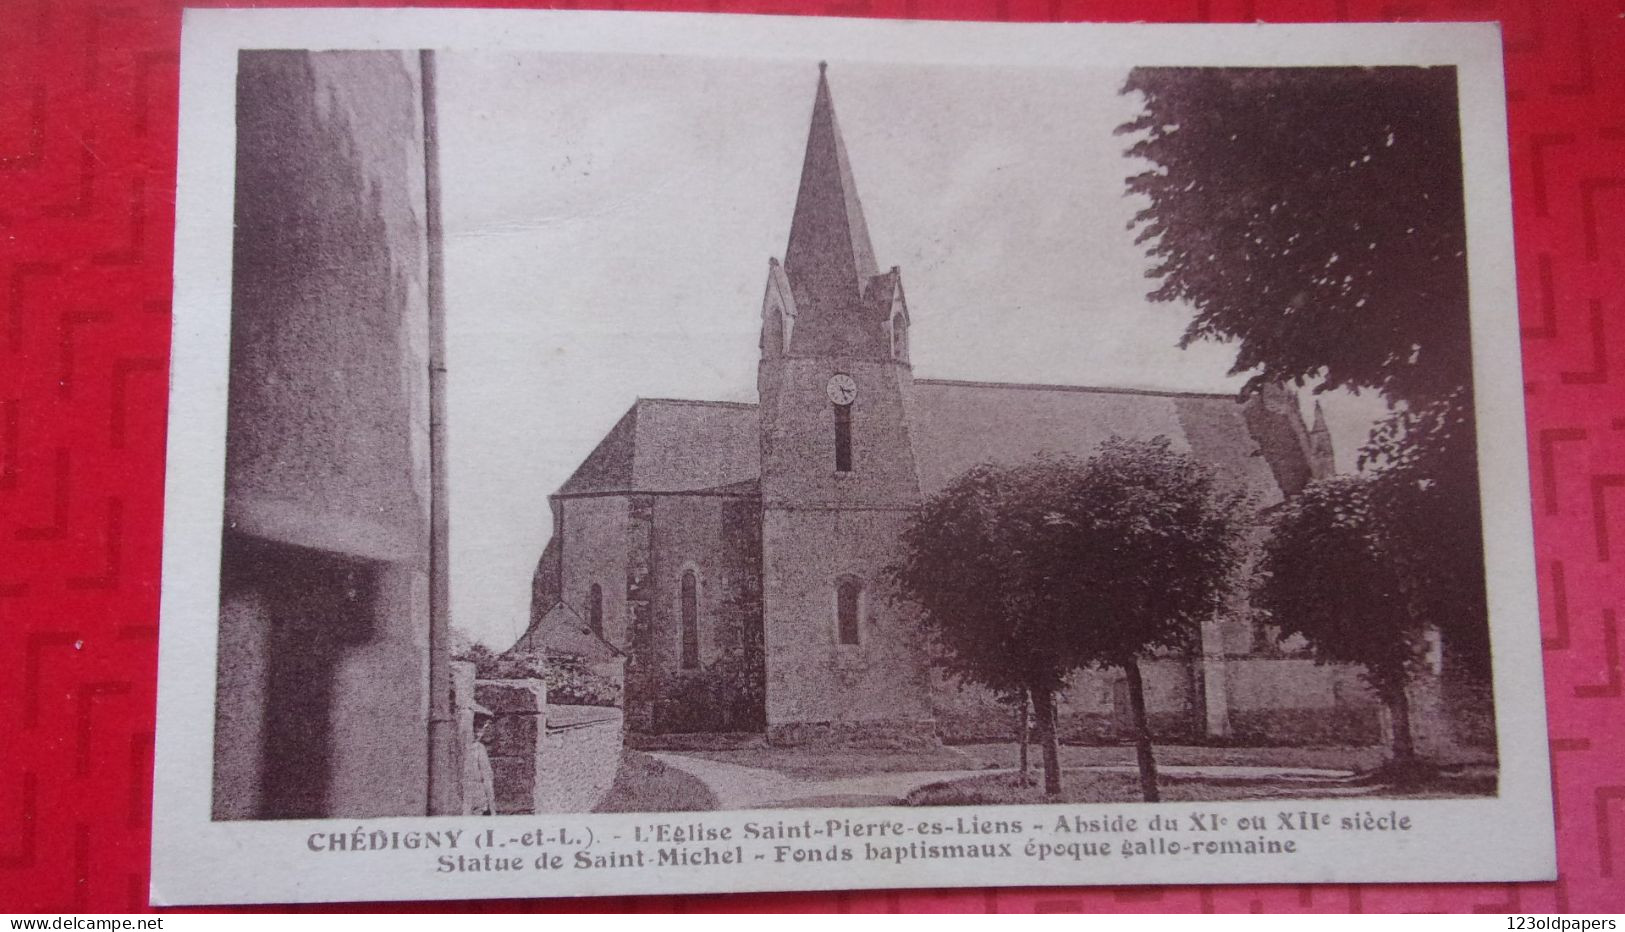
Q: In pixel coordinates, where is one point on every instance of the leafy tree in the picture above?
(1144, 547)
(1423, 484)
(1313, 217)
(967, 562)
(1030, 572)
(1329, 574)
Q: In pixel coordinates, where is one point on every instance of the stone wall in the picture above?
(716, 537)
(1277, 701)
(1092, 709)
(323, 661)
(321, 685)
(594, 553)
(514, 740)
(327, 433)
(548, 758)
(817, 687)
(580, 758)
(1293, 700)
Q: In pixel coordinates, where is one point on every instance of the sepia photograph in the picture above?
(613, 433)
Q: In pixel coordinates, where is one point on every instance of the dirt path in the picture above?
(737, 787)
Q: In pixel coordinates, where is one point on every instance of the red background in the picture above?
(87, 173)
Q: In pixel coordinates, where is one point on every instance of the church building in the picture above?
(736, 553)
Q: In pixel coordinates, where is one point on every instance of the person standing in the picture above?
(479, 787)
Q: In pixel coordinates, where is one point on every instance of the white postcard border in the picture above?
(196, 860)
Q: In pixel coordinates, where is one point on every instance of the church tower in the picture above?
(844, 660)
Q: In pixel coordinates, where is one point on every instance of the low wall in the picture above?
(1093, 708)
(580, 755)
(1269, 701)
(548, 758)
(514, 740)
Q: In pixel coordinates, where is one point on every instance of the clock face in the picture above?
(841, 388)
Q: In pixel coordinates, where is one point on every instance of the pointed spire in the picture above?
(1320, 421)
(829, 259)
(1322, 459)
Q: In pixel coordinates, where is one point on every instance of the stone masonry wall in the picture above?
(581, 754)
(1280, 701)
(594, 552)
(515, 740)
(1093, 708)
(818, 688)
(323, 647)
(718, 539)
(560, 758)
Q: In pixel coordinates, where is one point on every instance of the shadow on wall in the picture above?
(323, 641)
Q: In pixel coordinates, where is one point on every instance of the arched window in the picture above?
(848, 607)
(595, 609)
(690, 608)
(899, 337)
(843, 438)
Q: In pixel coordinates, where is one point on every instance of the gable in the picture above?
(669, 445)
(562, 631)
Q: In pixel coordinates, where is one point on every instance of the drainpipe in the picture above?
(445, 779)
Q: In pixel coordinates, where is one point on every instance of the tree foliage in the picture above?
(570, 679)
(1424, 485)
(1329, 574)
(1141, 546)
(1314, 217)
(968, 562)
(1029, 572)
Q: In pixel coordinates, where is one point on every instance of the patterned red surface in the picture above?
(87, 163)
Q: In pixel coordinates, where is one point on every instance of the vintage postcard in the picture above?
(644, 453)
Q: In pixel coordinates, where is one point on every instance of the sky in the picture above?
(609, 219)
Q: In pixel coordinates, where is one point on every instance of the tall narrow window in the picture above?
(691, 621)
(843, 438)
(595, 609)
(847, 595)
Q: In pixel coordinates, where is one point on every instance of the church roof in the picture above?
(829, 260)
(671, 445)
(957, 425)
(839, 308)
(667, 445)
(562, 631)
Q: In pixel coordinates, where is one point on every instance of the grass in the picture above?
(1082, 786)
(644, 784)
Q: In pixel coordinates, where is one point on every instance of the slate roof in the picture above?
(957, 425)
(829, 259)
(665, 445)
(669, 445)
(561, 631)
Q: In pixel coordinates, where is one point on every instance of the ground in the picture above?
(761, 777)
(1111, 786)
(644, 784)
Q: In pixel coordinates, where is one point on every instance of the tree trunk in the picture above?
(1142, 731)
(1399, 710)
(1024, 731)
(1044, 712)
